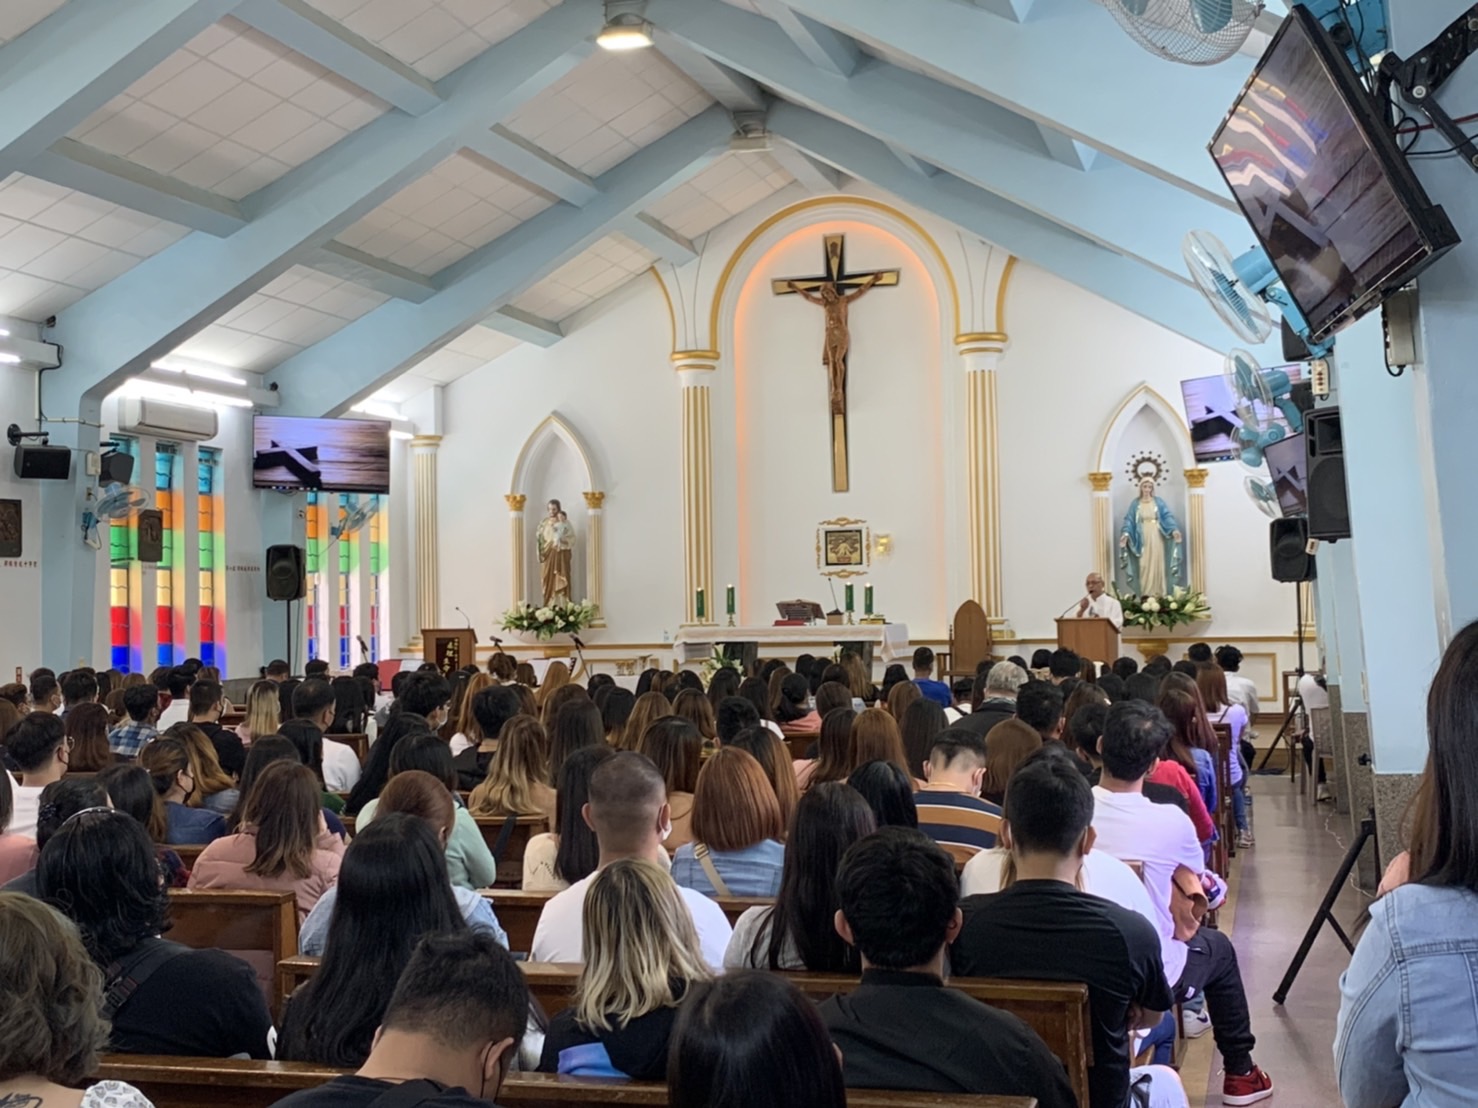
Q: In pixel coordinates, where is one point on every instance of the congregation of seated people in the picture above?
(692, 849)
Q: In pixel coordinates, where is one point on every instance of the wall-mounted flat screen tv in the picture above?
(1211, 414)
(331, 455)
(1319, 175)
(1288, 464)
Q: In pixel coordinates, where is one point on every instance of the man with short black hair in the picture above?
(492, 707)
(141, 703)
(178, 709)
(901, 1028)
(46, 693)
(629, 814)
(1043, 927)
(426, 693)
(80, 687)
(923, 677)
(207, 702)
(316, 668)
(994, 696)
(277, 671)
(1113, 686)
(735, 714)
(1039, 705)
(449, 1036)
(1200, 653)
(315, 703)
(1064, 664)
(1125, 667)
(39, 746)
(949, 805)
(962, 689)
(1163, 840)
(1240, 690)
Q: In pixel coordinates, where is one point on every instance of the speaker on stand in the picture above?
(286, 575)
(1329, 503)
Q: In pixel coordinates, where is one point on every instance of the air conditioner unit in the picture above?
(139, 415)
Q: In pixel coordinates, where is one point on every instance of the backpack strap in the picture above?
(408, 1094)
(123, 977)
(705, 859)
(504, 834)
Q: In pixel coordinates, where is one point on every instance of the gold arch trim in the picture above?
(681, 356)
(981, 336)
(831, 202)
(1006, 272)
(666, 299)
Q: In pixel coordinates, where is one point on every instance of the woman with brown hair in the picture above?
(736, 848)
(87, 727)
(772, 688)
(523, 674)
(858, 679)
(1184, 766)
(467, 733)
(900, 696)
(876, 738)
(921, 724)
(556, 677)
(648, 709)
(574, 725)
(168, 764)
(676, 749)
(694, 707)
(835, 753)
(517, 783)
(1007, 745)
(215, 789)
(792, 709)
(1211, 680)
(18, 695)
(51, 998)
(283, 845)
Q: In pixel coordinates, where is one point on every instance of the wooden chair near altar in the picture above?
(969, 643)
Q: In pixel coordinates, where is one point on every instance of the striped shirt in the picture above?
(958, 820)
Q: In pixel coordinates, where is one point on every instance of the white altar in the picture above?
(889, 641)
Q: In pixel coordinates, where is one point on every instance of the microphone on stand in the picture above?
(833, 585)
(464, 615)
(1070, 607)
(364, 650)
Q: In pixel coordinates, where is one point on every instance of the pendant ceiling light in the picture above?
(626, 27)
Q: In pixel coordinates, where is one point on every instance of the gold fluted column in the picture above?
(516, 501)
(594, 552)
(425, 523)
(1195, 480)
(981, 354)
(694, 372)
(1103, 531)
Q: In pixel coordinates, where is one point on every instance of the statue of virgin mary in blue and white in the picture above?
(1151, 546)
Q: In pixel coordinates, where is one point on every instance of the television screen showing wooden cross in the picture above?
(834, 292)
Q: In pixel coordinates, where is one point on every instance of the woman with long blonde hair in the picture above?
(556, 677)
(215, 789)
(517, 780)
(468, 733)
(641, 957)
(648, 709)
(263, 712)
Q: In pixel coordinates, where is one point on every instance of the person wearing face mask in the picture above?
(168, 764)
(629, 814)
(949, 805)
(39, 746)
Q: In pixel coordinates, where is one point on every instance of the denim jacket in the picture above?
(1408, 1014)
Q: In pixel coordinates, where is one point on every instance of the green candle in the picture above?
(867, 599)
(701, 607)
(850, 607)
(731, 600)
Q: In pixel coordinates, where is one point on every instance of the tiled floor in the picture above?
(1278, 885)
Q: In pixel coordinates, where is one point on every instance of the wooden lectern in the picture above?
(450, 649)
(1093, 638)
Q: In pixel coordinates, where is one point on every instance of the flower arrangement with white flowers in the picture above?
(548, 620)
(1180, 607)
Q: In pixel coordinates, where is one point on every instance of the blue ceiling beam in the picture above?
(826, 48)
(81, 56)
(1068, 151)
(348, 366)
(526, 326)
(733, 90)
(385, 277)
(809, 173)
(1080, 74)
(116, 331)
(938, 125)
(528, 162)
(327, 42)
(660, 239)
(1123, 281)
(1014, 10)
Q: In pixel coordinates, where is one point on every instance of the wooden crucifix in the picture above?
(834, 291)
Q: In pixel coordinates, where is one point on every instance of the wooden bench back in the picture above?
(801, 743)
(232, 1083)
(358, 743)
(510, 864)
(518, 912)
(260, 928)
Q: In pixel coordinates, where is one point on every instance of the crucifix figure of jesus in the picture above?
(834, 292)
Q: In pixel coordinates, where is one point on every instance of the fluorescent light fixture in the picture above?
(197, 369)
(378, 409)
(197, 398)
(625, 28)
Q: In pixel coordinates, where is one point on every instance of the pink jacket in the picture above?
(17, 856)
(222, 865)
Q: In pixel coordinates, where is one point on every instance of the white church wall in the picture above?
(20, 578)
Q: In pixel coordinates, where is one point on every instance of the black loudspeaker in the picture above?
(1329, 504)
(116, 469)
(1288, 541)
(43, 463)
(151, 535)
(286, 573)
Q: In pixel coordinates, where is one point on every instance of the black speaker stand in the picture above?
(1295, 706)
(1325, 912)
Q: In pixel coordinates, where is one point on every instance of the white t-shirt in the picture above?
(177, 712)
(1243, 690)
(341, 768)
(1103, 875)
(27, 802)
(460, 742)
(1135, 829)
(1313, 696)
(560, 932)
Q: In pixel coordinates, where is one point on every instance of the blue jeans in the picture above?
(1239, 804)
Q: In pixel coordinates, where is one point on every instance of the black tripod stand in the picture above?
(1325, 913)
(1295, 706)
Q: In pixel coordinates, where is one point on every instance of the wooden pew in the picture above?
(260, 928)
(799, 744)
(358, 743)
(231, 1083)
(510, 865)
(518, 912)
(188, 852)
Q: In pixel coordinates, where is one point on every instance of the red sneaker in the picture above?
(1246, 1088)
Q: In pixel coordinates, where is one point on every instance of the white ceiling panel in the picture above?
(298, 309)
(609, 107)
(19, 16)
(232, 111)
(57, 245)
(608, 264)
(434, 37)
(733, 184)
(464, 203)
(469, 351)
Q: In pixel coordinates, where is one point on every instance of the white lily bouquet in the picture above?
(548, 620)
